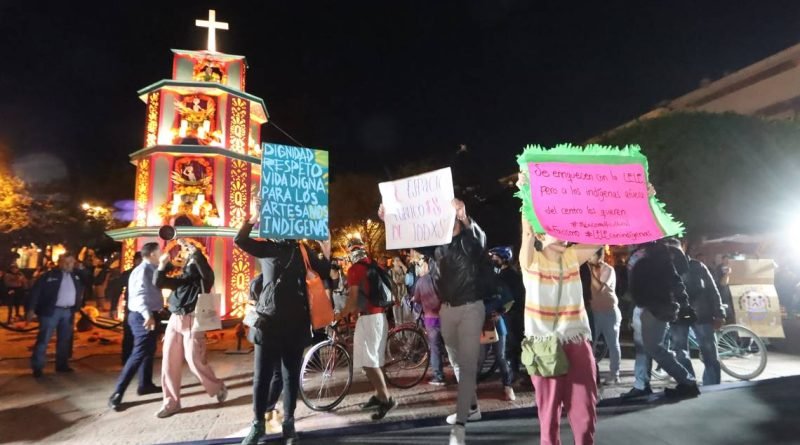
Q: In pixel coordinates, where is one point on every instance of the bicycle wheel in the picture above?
(326, 376)
(489, 364)
(742, 353)
(407, 357)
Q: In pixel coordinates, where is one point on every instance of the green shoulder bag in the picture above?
(547, 358)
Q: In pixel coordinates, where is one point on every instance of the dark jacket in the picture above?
(656, 285)
(196, 278)
(45, 292)
(283, 303)
(513, 281)
(459, 267)
(704, 296)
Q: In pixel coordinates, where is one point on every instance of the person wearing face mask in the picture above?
(180, 342)
(515, 316)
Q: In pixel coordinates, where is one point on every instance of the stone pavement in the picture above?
(71, 409)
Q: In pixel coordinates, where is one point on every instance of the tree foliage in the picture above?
(14, 198)
(720, 173)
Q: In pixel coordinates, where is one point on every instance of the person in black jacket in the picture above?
(458, 278)
(283, 329)
(180, 341)
(55, 298)
(661, 299)
(705, 299)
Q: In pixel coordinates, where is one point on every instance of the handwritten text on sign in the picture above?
(419, 210)
(593, 203)
(294, 193)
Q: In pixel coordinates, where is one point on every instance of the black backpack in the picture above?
(380, 287)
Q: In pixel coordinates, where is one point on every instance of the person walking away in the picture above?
(16, 289)
(705, 299)
(462, 313)
(661, 299)
(180, 341)
(554, 307)
(144, 304)
(426, 295)
(605, 307)
(283, 328)
(398, 273)
(372, 327)
(496, 303)
(515, 316)
(55, 298)
(99, 281)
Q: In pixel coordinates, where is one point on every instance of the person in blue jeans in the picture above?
(500, 300)
(705, 299)
(661, 299)
(425, 294)
(55, 298)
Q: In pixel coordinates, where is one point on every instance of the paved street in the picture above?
(71, 409)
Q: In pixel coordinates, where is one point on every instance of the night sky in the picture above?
(377, 83)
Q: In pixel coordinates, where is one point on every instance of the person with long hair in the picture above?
(180, 341)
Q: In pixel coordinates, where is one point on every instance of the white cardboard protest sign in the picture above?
(419, 210)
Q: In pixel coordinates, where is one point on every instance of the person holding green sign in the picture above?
(557, 350)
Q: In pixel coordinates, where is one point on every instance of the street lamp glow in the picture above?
(86, 206)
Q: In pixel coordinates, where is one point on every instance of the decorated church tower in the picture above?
(200, 163)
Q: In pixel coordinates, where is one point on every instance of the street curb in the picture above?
(531, 412)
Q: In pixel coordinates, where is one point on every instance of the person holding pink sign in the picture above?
(555, 314)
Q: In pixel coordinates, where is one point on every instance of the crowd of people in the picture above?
(542, 310)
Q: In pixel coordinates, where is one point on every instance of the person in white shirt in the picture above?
(55, 298)
(144, 303)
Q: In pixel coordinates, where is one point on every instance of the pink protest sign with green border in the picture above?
(592, 195)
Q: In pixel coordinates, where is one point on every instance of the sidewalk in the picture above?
(71, 409)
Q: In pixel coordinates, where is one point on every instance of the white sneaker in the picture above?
(510, 396)
(458, 435)
(165, 412)
(474, 416)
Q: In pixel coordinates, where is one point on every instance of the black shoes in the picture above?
(115, 401)
(289, 433)
(682, 391)
(65, 370)
(635, 393)
(373, 402)
(152, 389)
(37, 373)
(384, 408)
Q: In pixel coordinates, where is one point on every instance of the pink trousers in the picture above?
(181, 343)
(576, 392)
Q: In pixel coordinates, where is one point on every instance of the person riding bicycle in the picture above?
(705, 299)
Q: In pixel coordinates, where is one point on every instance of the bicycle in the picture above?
(742, 353)
(326, 374)
(407, 354)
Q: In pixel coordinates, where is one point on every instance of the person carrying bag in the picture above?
(557, 349)
(185, 338)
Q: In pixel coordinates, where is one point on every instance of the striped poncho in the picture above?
(541, 278)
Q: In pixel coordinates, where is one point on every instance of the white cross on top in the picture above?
(212, 26)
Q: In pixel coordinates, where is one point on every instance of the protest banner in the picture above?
(592, 195)
(294, 193)
(754, 297)
(419, 210)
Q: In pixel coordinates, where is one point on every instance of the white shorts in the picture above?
(369, 341)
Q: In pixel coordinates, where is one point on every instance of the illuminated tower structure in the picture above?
(200, 163)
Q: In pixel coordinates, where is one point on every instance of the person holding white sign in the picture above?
(462, 314)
